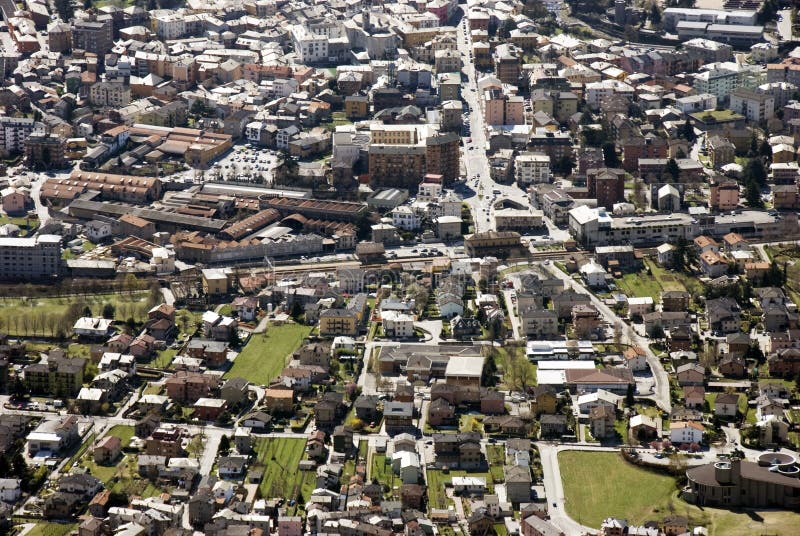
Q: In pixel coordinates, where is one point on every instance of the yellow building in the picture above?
(333, 322)
(215, 282)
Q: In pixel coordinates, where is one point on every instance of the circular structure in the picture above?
(789, 470)
(776, 458)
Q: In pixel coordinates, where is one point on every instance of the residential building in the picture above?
(531, 168)
(756, 107)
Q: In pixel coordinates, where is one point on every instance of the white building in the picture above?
(531, 168)
(13, 132)
(597, 91)
(696, 103)
(719, 82)
(10, 489)
(310, 47)
(92, 327)
(754, 106)
(594, 275)
(97, 231)
(405, 218)
(397, 324)
(685, 432)
(163, 260)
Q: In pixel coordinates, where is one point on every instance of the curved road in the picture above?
(661, 389)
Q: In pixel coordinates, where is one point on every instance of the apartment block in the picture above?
(28, 259)
(532, 168)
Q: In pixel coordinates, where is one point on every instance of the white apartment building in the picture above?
(13, 132)
(696, 103)
(754, 106)
(405, 218)
(169, 24)
(310, 47)
(718, 82)
(428, 191)
(532, 168)
(597, 91)
(397, 325)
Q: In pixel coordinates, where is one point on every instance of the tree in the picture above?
(655, 14)
(752, 194)
(754, 170)
(108, 311)
(610, 156)
(630, 400)
(672, 169)
(765, 149)
(296, 311)
(233, 338)
(687, 131)
(224, 445)
(617, 335)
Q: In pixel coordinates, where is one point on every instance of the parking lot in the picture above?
(246, 163)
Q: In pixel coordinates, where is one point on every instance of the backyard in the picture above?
(52, 529)
(282, 477)
(438, 479)
(642, 284)
(598, 485)
(265, 355)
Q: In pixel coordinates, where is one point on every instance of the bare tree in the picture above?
(26, 323)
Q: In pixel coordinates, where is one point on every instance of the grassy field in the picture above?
(266, 355)
(163, 358)
(381, 468)
(642, 284)
(107, 472)
(124, 433)
(598, 485)
(42, 316)
(127, 480)
(282, 478)
(741, 404)
(52, 529)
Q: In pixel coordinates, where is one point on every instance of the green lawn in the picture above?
(437, 480)
(163, 358)
(496, 456)
(44, 316)
(124, 433)
(741, 404)
(642, 284)
(52, 529)
(282, 478)
(266, 355)
(598, 485)
(381, 468)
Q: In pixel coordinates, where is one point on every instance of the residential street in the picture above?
(661, 391)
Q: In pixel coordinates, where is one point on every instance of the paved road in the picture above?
(42, 211)
(169, 297)
(474, 152)
(554, 490)
(661, 391)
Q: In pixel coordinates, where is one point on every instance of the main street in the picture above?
(482, 201)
